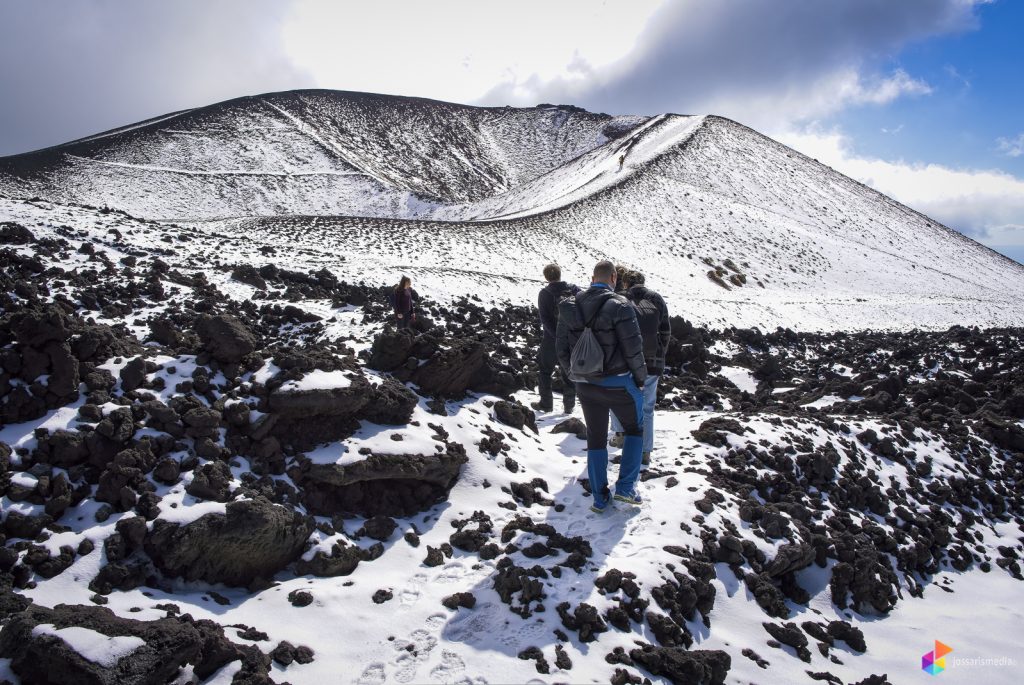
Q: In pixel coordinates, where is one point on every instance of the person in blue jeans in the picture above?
(656, 330)
(616, 388)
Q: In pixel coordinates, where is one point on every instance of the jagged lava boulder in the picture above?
(308, 417)
(135, 651)
(225, 337)
(252, 539)
(389, 484)
(466, 365)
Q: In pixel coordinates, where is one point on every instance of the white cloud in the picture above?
(807, 100)
(883, 91)
(985, 204)
(458, 50)
(1011, 147)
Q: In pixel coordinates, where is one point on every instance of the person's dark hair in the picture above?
(603, 271)
(402, 283)
(632, 278)
(552, 272)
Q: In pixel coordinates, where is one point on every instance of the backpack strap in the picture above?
(597, 311)
(588, 324)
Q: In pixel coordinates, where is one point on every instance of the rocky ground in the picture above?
(173, 451)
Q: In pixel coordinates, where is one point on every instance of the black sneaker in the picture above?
(541, 407)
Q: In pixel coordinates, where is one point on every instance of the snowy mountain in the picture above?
(312, 152)
(220, 463)
(734, 228)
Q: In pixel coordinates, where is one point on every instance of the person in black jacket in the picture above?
(617, 388)
(547, 306)
(656, 330)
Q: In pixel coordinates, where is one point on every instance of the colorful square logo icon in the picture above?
(934, 662)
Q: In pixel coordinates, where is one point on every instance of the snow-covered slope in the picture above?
(731, 226)
(818, 508)
(311, 152)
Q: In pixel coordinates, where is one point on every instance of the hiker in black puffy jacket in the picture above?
(656, 330)
(612, 319)
(547, 306)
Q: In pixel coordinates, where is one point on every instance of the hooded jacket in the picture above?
(547, 304)
(655, 328)
(614, 325)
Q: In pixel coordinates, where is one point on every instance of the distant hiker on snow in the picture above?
(547, 304)
(622, 160)
(655, 329)
(403, 301)
(598, 340)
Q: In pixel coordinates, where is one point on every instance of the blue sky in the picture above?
(921, 99)
(977, 81)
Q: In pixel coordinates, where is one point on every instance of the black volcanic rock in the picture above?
(225, 337)
(247, 273)
(708, 667)
(572, 425)
(340, 562)
(310, 417)
(163, 647)
(515, 415)
(853, 636)
(790, 558)
(712, 431)
(389, 484)
(466, 365)
(253, 539)
(35, 328)
(379, 528)
(459, 599)
(12, 233)
(211, 482)
(584, 619)
(390, 349)
(391, 403)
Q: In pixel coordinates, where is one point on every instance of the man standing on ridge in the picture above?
(547, 305)
(598, 340)
(656, 330)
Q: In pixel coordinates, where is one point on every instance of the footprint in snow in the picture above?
(372, 675)
(452, 573)
(410, 595)
(450, 669)
(639, 524)
(412, 653)
(436, 621)
(470, 626)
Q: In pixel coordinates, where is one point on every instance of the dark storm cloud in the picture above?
(727, 54)
(69, 69)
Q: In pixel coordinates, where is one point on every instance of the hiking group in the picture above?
(608, 343)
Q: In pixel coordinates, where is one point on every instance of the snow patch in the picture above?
(91, 645)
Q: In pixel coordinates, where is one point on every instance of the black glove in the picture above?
(639, 382)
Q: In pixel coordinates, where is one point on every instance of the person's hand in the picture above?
(639, 383)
